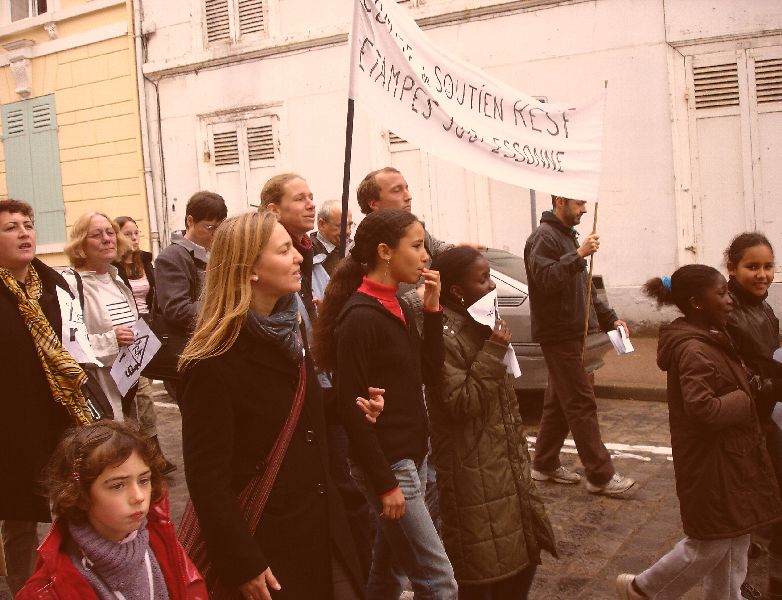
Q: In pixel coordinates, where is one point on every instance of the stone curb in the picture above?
(631, 392)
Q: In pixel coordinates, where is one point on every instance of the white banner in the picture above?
(453, 110)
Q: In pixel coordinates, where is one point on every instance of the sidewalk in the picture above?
(633, 376)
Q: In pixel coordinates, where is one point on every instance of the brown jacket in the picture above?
(494, 521)
(724, 478)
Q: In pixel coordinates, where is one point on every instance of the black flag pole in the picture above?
(343, 224)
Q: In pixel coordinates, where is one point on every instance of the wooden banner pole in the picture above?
(589, 289)
(343, 224)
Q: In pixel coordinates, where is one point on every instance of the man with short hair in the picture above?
(557, 278)
(387, 188)
(327, 237)
(180, 270)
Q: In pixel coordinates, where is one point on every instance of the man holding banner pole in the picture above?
(558, 285)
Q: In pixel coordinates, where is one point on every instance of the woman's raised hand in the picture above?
(374, 406)
(431, 290)
(501, 334)
(258, 588)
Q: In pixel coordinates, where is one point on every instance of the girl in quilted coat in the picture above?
(494, 523)
(113, 537)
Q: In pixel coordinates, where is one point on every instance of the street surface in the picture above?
(597, 537)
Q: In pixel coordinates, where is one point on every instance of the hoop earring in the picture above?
(461, 300)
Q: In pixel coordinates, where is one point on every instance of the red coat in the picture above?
(56, 578)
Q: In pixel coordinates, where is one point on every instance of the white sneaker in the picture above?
(616, 486)
(624, 588)
(558, 475)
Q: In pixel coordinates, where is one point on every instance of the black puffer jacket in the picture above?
(557, 279)
(754, 329)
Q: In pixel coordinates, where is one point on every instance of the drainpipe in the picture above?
(142, 99)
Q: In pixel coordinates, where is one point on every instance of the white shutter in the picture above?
(218, 27)
(768, 80)
(251, 17)
(261, 144)
(226, 148)
(716, 85)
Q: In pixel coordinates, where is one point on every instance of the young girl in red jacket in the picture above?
(113, 538)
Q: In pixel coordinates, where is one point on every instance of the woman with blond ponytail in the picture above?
(253, 430)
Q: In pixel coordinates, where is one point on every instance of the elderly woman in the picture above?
(246, 379)
(108, 304)
(41, 384)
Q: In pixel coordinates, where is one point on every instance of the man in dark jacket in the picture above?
(557, 278)
(180, 270)
(326, 239)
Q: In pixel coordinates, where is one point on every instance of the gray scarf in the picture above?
(111, 567)
(281, 328)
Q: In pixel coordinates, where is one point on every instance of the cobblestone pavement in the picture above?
(597, 537)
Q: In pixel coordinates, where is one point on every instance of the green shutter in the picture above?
(32, 158)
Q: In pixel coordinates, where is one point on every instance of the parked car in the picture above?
(509, 273)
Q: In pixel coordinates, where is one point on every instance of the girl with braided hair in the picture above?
(368, 338)
(724, 478)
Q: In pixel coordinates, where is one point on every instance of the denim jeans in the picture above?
(409, 545)
(774, 445)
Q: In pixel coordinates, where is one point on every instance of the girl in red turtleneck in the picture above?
(368, 338)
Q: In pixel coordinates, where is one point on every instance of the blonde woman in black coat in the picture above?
(240, 371)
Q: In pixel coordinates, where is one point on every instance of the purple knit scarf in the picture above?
(111, 567)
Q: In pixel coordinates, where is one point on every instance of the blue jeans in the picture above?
(409, 545)
(774, 445)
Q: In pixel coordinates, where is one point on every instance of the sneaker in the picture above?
(558, 475)
(624, 588)
(616, 486)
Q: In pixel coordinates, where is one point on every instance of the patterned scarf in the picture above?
(63, 373)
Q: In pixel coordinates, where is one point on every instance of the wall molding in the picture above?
(56, 16)
(427, 17)
(85, 38)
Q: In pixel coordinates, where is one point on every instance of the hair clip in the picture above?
(666, 282)
(75, 476)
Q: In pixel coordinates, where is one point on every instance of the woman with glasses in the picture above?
(107, 302)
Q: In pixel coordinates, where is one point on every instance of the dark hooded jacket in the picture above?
(724, 478)
(558, 283)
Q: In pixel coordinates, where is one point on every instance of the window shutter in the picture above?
(226, 148)
(16, 145)
(251, 17)
(768, 80)
(716, 85)
(33, 163)
(260, 143)
(394, 139)
(217, 20)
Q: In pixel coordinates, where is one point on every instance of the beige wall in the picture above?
(96, 100)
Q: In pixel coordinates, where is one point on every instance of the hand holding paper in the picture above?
(621, 340)
(485, 312)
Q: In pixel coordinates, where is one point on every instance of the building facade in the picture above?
(243, 89)
(70, 114)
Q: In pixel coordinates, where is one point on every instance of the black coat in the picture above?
(31, 422)
(233, 408)
(557, 279)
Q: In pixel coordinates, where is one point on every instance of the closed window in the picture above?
(32, 163)
(23, 9)
(241, 155)
(233, 20)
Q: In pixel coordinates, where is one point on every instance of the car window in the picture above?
(507, 263)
